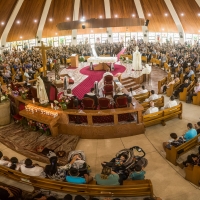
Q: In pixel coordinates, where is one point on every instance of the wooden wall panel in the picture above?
(29, 11)
(59, 11)
(190, 20)
(91, 9)
(6, 8)
(123, 8)
(158, 20)
(128, 29)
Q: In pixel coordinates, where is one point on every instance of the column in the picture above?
(75, 18)
(10, 23)
(176, 20)
(42, 21)
(141, 15)
(108, 15)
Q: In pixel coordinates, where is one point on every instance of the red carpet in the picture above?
(84, 87)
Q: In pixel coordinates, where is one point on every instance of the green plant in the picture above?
(81, 59)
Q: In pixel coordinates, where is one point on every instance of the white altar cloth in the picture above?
(102, 59)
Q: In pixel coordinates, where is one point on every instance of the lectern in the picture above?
(74, 60)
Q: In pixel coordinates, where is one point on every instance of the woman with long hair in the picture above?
(52, 171)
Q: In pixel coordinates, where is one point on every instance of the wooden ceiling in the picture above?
(60, 10)
(190, 20)
(158, 22)
(29, 11)
(90, 9)
(6, 8)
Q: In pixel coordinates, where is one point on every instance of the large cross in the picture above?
(44, 57)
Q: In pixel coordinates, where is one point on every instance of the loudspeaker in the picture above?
(38, 41)
(2, 46)
(74, 38)
(146, 22)
(109, 36)
(83, 26)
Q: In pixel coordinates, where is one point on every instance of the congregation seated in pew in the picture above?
(152, 96)
(191, 133)
(172, 102)
(176, 141)
(151, 109)
(193, 93)
(181, 87)
(175, 80)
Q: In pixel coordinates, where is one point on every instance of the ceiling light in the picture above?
(100, 16)
(133, 15)
(50, 19)
(82, 19)
(166, 14)
(198, 14)
(199, 31)
(35, 20)
(18, 22)
(67, 18)
(2, 23)
(182, 14)
(92, 31)
(116, 15)
(56, 33)
(20, 37)
(149, 15)
(163, 29)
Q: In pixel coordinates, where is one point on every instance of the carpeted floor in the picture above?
(93, 76)
(25, 142)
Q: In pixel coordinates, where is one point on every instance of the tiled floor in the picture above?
(167, 179)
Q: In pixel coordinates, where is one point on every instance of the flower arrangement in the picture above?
(81, 59)
(23, 93)
(64, 101)
(37, 126)
(4, 97)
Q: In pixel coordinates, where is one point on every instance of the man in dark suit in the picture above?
(92, 95)
(182, 86)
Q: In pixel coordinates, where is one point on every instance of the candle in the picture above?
(33, 101)
(52, 105)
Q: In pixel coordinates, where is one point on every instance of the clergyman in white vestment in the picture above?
(41, 91)
(137, 60)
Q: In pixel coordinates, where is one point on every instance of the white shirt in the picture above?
(152, 97)
(143, 91)
(35, 171)
(151, 110)
(170, 104)
(17, 166)
(4, 162)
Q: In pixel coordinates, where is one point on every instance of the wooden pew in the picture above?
(160, 84)
(183, 95)
(192, 174)
(144, 59)
(130, 188)
(173, 153)
(142, 97)
(172, 88)
(157, 103)
(196, 99)
(161, 116)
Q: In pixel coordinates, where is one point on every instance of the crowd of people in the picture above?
(111, 49)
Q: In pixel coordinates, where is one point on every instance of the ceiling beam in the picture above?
(176, 20)
(141, 15)
(10, 22)
(43, 20)
(108, 15)
(75, 18)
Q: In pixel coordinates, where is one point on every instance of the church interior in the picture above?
(99, 99)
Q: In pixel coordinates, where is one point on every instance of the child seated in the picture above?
(138, 174)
